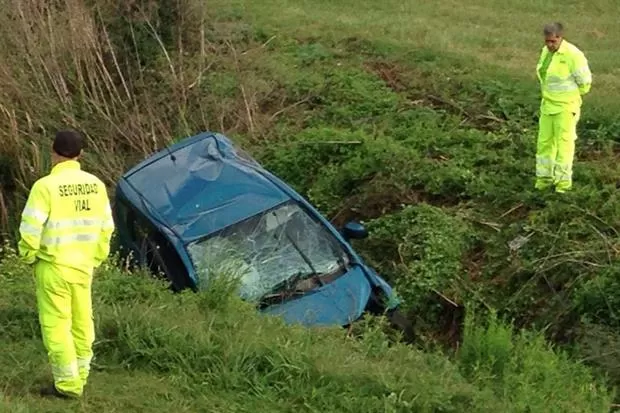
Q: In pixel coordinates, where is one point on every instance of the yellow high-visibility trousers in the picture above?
(555, 150)
(65, 313)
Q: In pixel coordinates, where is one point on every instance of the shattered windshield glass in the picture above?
(268, 249)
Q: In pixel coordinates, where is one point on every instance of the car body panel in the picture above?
(203, 184)
(340, 302)
(202, 190)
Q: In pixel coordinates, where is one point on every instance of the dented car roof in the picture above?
(200, 185)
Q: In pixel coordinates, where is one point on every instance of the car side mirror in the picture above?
(354, 230)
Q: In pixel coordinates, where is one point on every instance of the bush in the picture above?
(599, 298)
(431, 245)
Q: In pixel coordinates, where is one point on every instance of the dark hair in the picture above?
(68, 143)
(553, 29)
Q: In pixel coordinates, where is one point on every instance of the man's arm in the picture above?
(105, 236)
(541, 58)
(34, 216)
(581, 72)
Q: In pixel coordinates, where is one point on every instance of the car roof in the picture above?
(200, 185)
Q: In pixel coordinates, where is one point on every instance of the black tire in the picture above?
(400, 322)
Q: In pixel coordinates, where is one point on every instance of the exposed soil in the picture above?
(373, 204)
(397, 79)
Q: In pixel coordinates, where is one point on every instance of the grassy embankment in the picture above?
(436, 106)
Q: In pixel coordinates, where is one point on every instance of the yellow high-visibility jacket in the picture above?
(564, 77)
(67, 220)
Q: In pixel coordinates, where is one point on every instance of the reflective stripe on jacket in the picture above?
(566, 79)
(67, 219)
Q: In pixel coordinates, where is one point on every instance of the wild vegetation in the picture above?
(419, 121)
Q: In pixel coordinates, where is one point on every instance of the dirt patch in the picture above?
(391, 74)
(474, 261)
(399, 79)
(449, 328)
(373, 204)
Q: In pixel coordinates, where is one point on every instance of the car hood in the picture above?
(338, 303)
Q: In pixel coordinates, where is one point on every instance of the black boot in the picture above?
(52, 391)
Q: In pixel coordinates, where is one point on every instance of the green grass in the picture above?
(211, 352)
(418, 119)
(486, 33)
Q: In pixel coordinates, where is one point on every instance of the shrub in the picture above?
(430, 245)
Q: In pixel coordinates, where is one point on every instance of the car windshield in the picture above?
(268, 249)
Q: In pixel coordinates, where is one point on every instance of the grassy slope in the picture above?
(446, 118)
(204, 352)
(479, 59)
(485, 31)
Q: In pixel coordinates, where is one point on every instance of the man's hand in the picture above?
(34, 217)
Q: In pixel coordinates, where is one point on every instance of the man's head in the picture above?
(554, 33)
(67, 145)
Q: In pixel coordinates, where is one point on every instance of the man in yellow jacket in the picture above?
(564, 77)
(65, 232)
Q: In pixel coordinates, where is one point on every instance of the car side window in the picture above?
(156, 251)
(139, 229)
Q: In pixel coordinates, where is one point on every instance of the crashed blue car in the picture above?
(202, 206)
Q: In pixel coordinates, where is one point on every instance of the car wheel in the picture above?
(400, 322)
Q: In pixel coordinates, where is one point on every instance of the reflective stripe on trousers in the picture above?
(65, 315)
(544, 167)
(65, 373)
(83, 364)
(556, 149)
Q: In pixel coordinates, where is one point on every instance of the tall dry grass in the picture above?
(129, 75)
